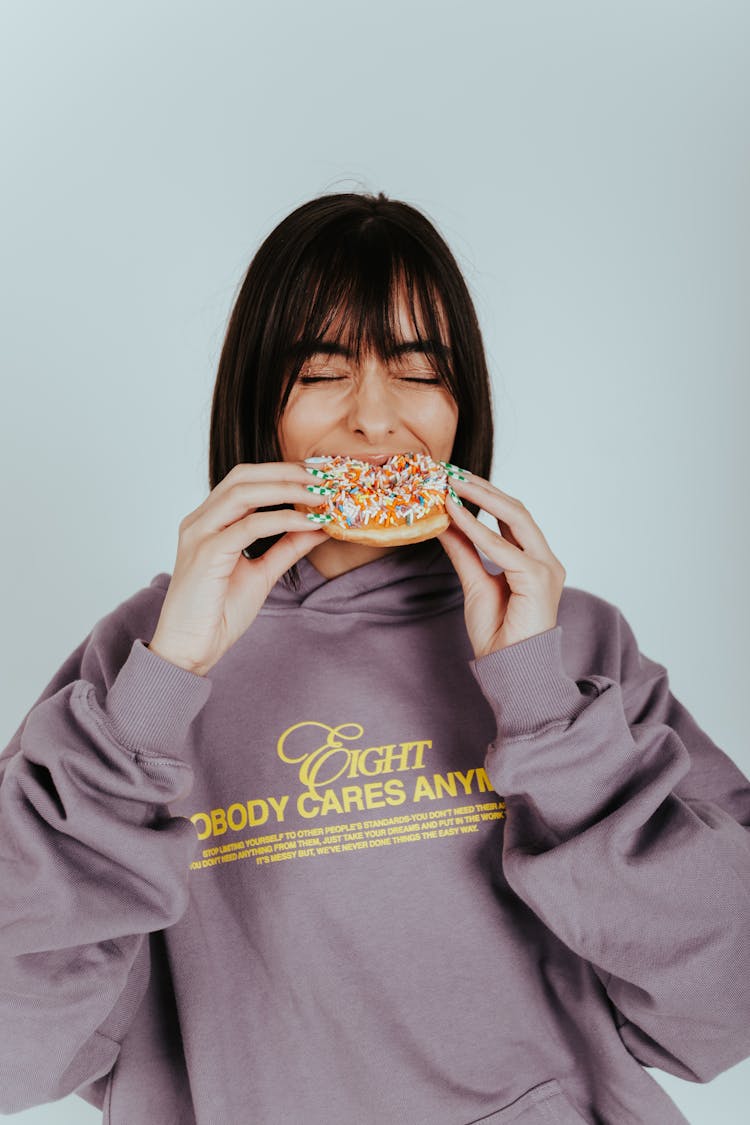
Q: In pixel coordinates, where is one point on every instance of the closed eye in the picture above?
(337, 379)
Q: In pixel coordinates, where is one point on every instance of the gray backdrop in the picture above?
(587, 162)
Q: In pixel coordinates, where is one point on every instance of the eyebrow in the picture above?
(330, 347)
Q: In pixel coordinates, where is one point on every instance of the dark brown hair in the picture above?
(347, 254)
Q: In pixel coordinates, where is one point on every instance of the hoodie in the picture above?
(354, 875)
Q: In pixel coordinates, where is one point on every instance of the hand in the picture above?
(501, 609)
(216, 592)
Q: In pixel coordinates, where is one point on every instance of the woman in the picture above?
(314, 832)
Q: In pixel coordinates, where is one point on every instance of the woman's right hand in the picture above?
(216, 592)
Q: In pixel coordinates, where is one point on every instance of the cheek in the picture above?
(292, 422)
(445, 415)
(288, 433)
(298, 425)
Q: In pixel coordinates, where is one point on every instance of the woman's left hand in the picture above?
(501, 609)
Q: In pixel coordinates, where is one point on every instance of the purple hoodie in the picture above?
(354, 876)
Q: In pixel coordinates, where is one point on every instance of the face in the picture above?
(368, 410)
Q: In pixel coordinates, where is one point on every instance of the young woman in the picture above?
(314, 832)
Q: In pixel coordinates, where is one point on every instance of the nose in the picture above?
(374, 407)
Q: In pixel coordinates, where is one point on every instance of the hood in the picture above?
(416, 581)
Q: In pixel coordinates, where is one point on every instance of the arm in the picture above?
(91, 860)
(626, 833)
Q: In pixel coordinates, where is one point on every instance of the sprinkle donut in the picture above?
(399, 502)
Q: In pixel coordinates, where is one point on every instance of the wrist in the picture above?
(163, 651)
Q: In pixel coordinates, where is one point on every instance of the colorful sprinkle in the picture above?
(406, 488)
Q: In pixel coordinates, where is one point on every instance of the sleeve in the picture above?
(627, 834)
(91, 860)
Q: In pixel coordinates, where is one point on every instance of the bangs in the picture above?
(344, 300)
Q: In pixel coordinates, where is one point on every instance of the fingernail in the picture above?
(319, 517)
(315, 460)
(320, 490)
(454, 471)
(454, 497)
(318, 473)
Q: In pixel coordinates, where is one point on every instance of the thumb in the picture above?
(289, 549)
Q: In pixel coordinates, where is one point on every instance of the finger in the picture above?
(507, 534)
(463, 554)
(245, 497)
(287, 551)
(494, 546)
(526, 533)
(265, 472)
(261, 525)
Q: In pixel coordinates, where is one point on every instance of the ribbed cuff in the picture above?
(527, 686)
(152, 703)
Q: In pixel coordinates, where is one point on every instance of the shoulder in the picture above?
(99, 657)
(596, 636)
(580, 609)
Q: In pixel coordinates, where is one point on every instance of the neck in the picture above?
(336, 557)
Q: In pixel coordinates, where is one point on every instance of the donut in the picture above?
(399, 502)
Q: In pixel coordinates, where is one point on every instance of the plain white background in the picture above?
(588, 163)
